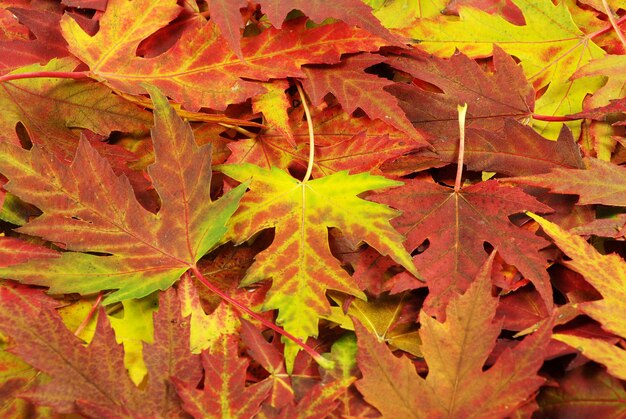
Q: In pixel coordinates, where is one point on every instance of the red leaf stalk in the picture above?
(46, 74)
(306, 348)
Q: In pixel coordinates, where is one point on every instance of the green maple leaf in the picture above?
(299, 261)
(87, 208)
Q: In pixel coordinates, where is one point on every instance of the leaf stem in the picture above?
(607, 28)
(306, 348)
(238, 129)
(462, 110)
(611, 17)
(309, 123)
(89, 316)
(552, 118)
(46, 74)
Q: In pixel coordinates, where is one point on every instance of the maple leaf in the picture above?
(585, 391)
(48, 42)
(401, 14)
(201, 70)
(354, 88)
(206, 330)
(274, 104)
(272, 361)
(14, 251)
(383, 317)
(607, 274)
(227, 16)
(299, 261)
(132, 328)
(600, 183)
(88, 379)
(601, 113)
(224, 393)
(89, 209)
(491, 111)
(455, 351)
(457, 225)
(353, 12)
(550, 47)
(342, 143)
(57, 106)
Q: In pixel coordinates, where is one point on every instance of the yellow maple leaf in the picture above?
(607, 273)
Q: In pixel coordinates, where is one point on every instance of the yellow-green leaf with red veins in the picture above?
(607, 274)
(457, 385)
(91, 380)
(201, 70)
(87, 208)
(206, 330)
(549, 46)
(50, 108)
(457, 224)
(274, 104)
(224, 394)
(354, 88)
(299, 261)
(342, 143)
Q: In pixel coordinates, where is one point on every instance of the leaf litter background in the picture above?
(121, 209)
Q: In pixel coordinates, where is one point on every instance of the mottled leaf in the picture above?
(201, 69)
(88, 379)
(301, 213)
(87, 208)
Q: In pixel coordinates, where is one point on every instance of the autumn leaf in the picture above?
(89, 209)
(383, 317)
(272, 361)
(200, 69)
(599, 183)
(48, 43)
(342, 143)
(57, 106)
(206, 330)
(585, 391)
(301, 213)
(354, 88)
(456, 350)
(88, 379)
(549, 46)
(274, 105)
(607, 274)
(495, 138)
(224, 394)
(353, 12)
(14, 251)
(456, 226)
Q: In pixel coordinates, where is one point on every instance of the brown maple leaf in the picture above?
(456, 351)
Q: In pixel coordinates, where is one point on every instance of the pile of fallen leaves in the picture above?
(222, 208)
